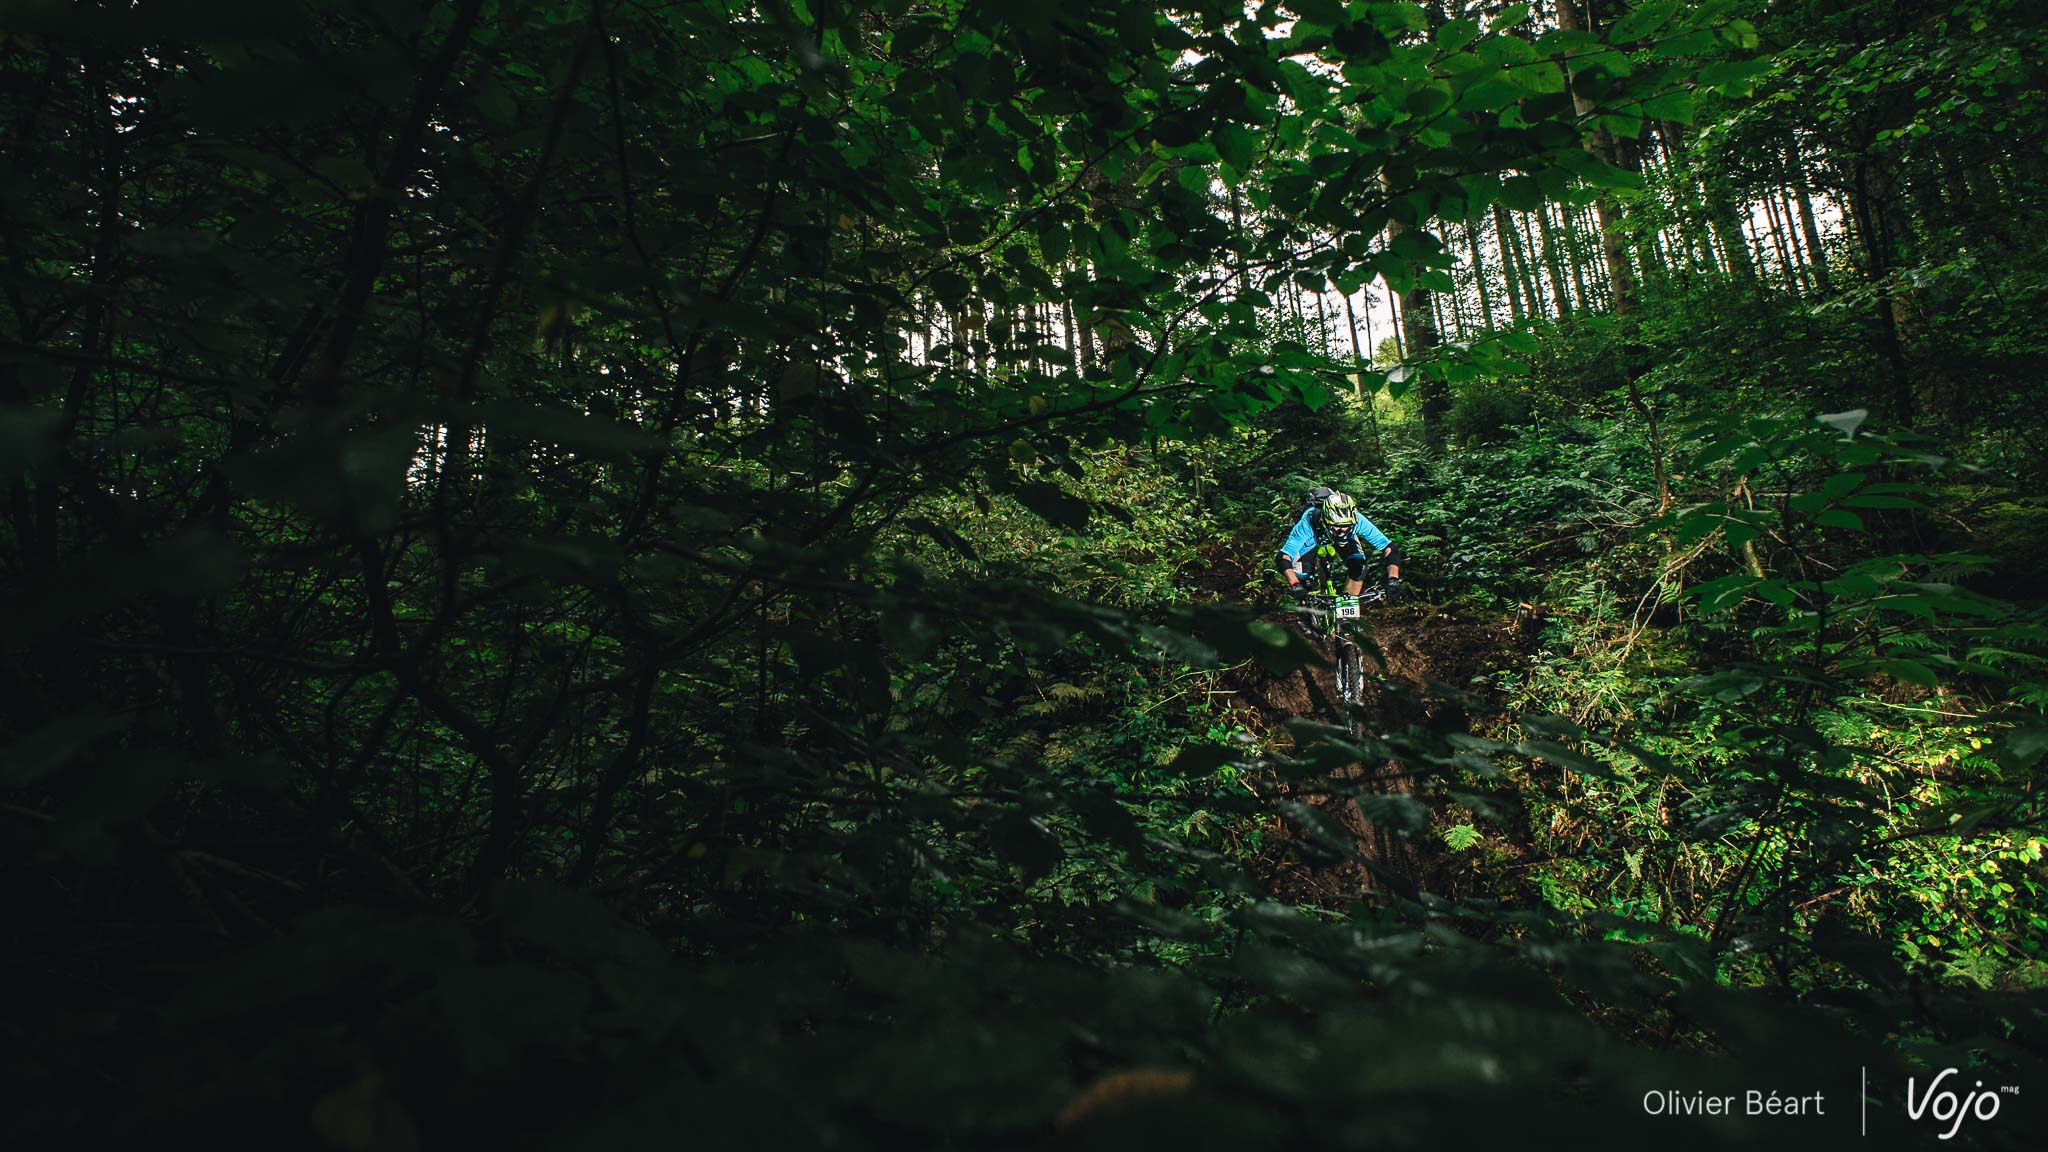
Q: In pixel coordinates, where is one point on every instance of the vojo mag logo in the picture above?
(1946, 1101)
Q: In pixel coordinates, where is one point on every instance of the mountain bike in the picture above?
(1332, 616)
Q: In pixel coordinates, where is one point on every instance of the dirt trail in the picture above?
(1431, 656)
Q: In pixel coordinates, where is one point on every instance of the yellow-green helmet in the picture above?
(1340, 511)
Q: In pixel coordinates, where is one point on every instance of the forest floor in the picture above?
(1431, 657)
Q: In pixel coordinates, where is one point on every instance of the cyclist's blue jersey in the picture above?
(1302, 540)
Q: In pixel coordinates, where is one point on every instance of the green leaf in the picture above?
(1053, 504)
(1836, 518)
(911, 632)
(1455, 34)
(1642, 21)
(1776, 591)
(1847, 422)
(495, 100)
(175, 242)
(1268, 633)
(28, 436)
(1024, 842)
(1395, 19)
(1521, 193)
(1724, 593)
(1676, 106)
(1733, 77)
(1235, 143)
(565, 428)
(1202, 759)
(348, 171)
(1564, 757)
(1321, 830)
(1104, 816)
(1541, 78)
(1502, 51)
(1625, 125)
(1399, 379)
(1841, 484)
(1426, 102)
(950, 287)
(53, 746)
(1329, 13)
(2024, 747)
(1911, 671)
(1489, 95)
(1052, 241)
(1852, 585)
(1280, 651)
(1867, 500)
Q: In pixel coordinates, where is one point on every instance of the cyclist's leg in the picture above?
(1354, 570)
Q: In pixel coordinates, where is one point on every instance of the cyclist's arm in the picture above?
(1300, 540)
(1298, 544)
(1371, 534)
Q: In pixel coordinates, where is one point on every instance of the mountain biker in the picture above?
(1332, 518)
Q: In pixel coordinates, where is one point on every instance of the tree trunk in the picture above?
(1399, 321)
(1479, 275)
(1793, 242)
(1728, 237)
(1418, 318)
(1574, 254)
(1357, 350)
(1870, 223)
(1803, 197)
(1542, 293)
(1588, 222)
(1244, 283)
(1358, 364)
(1785, 267)
(1559, 292)
(1504, 235)
(1613, 247)
(1699, 211)
(1722, 218)
(1073, 348)
(1656, 259)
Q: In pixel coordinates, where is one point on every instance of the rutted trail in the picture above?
(1431, 657)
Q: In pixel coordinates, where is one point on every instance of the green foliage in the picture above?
(1817, 799)
(1487, 414)
(1488, 519)
(575, 574)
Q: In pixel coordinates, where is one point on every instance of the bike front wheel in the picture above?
(1350, 674)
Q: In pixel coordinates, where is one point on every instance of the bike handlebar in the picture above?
(1372, 595)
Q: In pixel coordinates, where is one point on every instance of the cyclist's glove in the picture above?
(1299, 591)
(1392, 588)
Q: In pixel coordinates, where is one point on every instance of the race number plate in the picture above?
(1347, 608)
